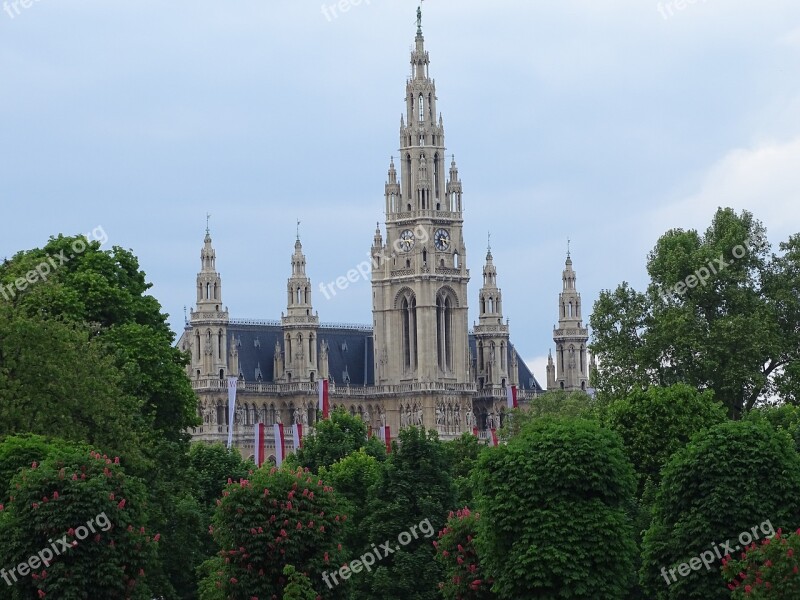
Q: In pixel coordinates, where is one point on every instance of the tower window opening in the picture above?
(421, 108)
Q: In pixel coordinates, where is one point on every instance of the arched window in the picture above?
(408, 310)
(444, 330)
(455, 260)
(421, 108)
(480, 356)
(208, 291)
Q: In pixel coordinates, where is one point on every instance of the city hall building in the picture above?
(417, 363)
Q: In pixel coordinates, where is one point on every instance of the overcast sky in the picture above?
(605, 121)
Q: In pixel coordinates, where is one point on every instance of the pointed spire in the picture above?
(489, 249)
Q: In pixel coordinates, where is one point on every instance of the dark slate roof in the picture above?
(350, 352)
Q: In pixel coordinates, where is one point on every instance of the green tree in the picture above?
(719, 314)
(553, 513)
(415, 490)
(352, 477)
(298, 586)
(728, 479)
(276, 518)
(333, 439)
(90, 355)
(657, 422)
(91, 516)
(56, 379)
(783, 418)
(457, 552)
(462, 456)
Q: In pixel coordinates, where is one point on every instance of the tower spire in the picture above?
(571, 336)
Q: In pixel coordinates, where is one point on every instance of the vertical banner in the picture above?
(231, 408)
(280, 444)
(297, 436)
(475, 431)
(387, 437)
(258, 454)
(511, 391)
(494, 437)
(323, 398)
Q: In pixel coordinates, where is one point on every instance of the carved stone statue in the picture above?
(366, 416)
(490, 421)
(383, 418)
(239, 414)
(418, 415)
(469, 418)
(439, 416)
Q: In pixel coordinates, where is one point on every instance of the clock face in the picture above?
(406, 240)
(441, 239)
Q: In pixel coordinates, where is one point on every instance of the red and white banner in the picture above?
(323, 398)
(231, 408)
(258, 454)
(475, 431)
(494, 437)
(511, 391)
(386, 436)
(280, 444)
(297, 436)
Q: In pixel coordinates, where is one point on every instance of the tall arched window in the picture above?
(421, 108)
(408, 310)
(444, 330)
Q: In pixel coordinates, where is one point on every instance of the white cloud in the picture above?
(764, 179)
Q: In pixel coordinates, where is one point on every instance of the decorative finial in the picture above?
(185, 317)
(208, 218)
(489, 246)
(568, 241)
(419, 19)
(298, 230)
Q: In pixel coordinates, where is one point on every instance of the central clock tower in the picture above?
(419, 275)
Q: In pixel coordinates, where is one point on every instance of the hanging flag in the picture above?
(323, 398)
(511, 392)
(475, 431)
(231, 408)
(494, 437)
(258, 454)
(280, 444)
(385, 435)
(297, 436)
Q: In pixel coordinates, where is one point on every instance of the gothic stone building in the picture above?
(418, 363)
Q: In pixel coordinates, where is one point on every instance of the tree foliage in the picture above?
(276, 518)
(736, 332)
(553, 521)
(333, 439)
(766, 571)
(725, 481)
(415, 486)
(86, 500)
(457, 552)
(657, 422)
